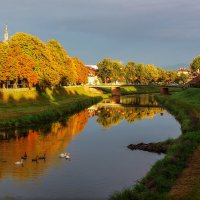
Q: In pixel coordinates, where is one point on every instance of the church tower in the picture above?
(6, 34)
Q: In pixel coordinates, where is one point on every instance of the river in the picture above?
(96, 138)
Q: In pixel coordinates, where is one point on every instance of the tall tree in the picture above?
(130, 72)
(105, 70)
(59, 60)
(41, 57)
(117, 69)
(195, 65)
(18, 66)
(82, 71)
(151, 75)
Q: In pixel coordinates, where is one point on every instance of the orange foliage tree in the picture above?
(82, 71)
(18, 66)
(41, 57)
(28, 59)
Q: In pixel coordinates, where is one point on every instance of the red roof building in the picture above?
(195, 80)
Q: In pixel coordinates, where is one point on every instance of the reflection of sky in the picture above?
(100, 162)
(157, 129)
(157, 31)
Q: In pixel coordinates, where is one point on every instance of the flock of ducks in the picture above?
(24, 157)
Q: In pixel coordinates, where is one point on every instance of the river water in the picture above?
(96, 138)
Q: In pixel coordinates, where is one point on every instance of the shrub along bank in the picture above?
(20, 108)
(157, 183)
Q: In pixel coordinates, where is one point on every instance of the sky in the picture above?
(161, 32)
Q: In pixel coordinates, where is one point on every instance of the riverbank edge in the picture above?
(50, 115)
(156, 185)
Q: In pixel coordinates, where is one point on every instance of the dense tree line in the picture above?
(27, 60)
(136, 73)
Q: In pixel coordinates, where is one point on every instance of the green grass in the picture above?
(27, 108)
(157, 183)
(190, 96)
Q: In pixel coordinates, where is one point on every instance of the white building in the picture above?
(92, 75)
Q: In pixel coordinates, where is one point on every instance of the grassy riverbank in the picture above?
(19, 108)
(156, 185)
(128, 90)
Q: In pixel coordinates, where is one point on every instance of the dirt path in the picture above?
(187, 184)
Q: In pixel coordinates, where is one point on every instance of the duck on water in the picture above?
(65, 155)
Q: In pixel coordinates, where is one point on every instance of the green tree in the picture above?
(105, 69)
(140, 74)
(182, 78)
(162, 75)
(117, 69)
(151, 74)
(195, 65)
(171, 77)
(130, 72)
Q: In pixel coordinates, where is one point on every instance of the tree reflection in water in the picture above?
(52, 140)
(131, 108)
(108, 116)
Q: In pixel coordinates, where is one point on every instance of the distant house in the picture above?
(92, 74)
(183, 71)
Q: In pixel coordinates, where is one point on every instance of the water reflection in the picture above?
(131, 108)
(51, 140)
(108, 116)
(140, 100)
(55, 138)
(100, 163)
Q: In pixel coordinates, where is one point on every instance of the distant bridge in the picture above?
(116, 89)
(126, 105)
(126, 85)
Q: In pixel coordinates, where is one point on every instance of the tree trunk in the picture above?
(15, 84)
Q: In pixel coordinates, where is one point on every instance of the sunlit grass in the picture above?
(22, 104)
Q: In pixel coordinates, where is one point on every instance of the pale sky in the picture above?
(163, 32)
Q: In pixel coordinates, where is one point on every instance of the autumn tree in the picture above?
(82, 71)
(151, 73)
(162, 75)
(171, 77)
(41, 56)
(18, 66)
(60, 61)
(27, 58)
(3, 56)
(140, 73)
(72, 71)
(130, 72)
